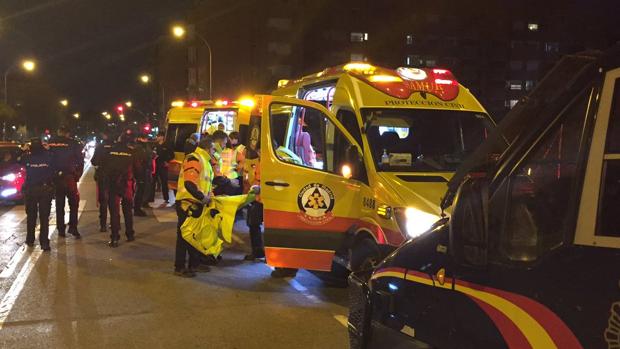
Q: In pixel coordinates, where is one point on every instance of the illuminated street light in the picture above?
(29, 65)
(128, 104)
(145, 78)
(76, 115)
(64, 102)
(179, 32)
(122, 117)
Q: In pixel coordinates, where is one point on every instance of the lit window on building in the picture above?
(359, 37)
(358, 57)
(532, 26)
(529, 84)
(409, 39)
(515, 85)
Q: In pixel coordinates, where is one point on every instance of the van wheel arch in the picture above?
(364, 253)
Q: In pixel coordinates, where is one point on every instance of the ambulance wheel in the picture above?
(364, 255)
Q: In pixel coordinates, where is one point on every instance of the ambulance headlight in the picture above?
(414, 222)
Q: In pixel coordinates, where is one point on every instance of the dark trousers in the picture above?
(121, 198)
(254, 221)
(184, 248)
(38, 201)
(162, 176)
(141, 188)
(102, 198)
(66, 187)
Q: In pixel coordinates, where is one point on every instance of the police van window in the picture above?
(608, 219)
(178, 133)
(534, 216)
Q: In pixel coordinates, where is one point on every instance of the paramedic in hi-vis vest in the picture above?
(232, 163)
(193, 194)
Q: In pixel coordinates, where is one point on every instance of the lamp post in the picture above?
(27, 65)
(179, 33)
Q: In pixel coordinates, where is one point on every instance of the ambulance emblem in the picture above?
(315, 202)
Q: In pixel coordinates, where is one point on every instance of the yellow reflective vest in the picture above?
(205, 176)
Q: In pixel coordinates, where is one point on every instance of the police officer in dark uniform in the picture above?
(101, 152)
(38, 192)
(69, 162)
(144, 156)
(121, 166)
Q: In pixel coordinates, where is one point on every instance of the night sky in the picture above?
(90, 51)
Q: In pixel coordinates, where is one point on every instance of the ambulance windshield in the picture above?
(418, 140)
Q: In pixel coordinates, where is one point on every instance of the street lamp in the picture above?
(64, 102)
(27, 65)
(128, 104)
(76, 115)
(179, 32)
(145, 78)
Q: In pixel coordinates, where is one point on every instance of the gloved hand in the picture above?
(255, 189)
(206, 200)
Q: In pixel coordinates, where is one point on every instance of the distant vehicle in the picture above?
(529, 257)
(12, 174)
(187, 117)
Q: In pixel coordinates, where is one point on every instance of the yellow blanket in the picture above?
(208, 232)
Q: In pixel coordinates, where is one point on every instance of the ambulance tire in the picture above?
(364, 255)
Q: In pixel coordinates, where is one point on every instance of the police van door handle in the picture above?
(277, 184)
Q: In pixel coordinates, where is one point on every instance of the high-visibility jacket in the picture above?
(198, 161)
(232, 158)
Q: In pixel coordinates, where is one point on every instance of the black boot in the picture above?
(113, 243)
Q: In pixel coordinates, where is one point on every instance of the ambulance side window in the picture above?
(534, 217)
(306, 137)
(608, 219)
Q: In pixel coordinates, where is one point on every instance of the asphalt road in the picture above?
(86, 295)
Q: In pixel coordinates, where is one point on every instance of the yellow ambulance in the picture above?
(355, 160)
(187, 117)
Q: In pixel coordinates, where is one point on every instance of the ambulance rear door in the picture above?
(311, 176)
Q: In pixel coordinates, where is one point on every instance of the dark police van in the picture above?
(530, 256)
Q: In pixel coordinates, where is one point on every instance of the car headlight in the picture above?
(8, 192)
(413, 221)
(11, 177)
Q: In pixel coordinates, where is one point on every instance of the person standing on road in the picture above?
(164, 155)
(121, 165)
(143, 153)
(69, 161)
(38, 191)
(193, 194)
(101, 153)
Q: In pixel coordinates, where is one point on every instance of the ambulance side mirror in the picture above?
(469, 239)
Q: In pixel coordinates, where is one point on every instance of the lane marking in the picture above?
(10, 267)
(8, 301)
(343, 320)
(10, 298)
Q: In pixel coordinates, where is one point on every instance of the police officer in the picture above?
(164, 155)
(121, 166)
(101, 152)
(69, 164)
(38, 191)
(143, 153)
(193, 194)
